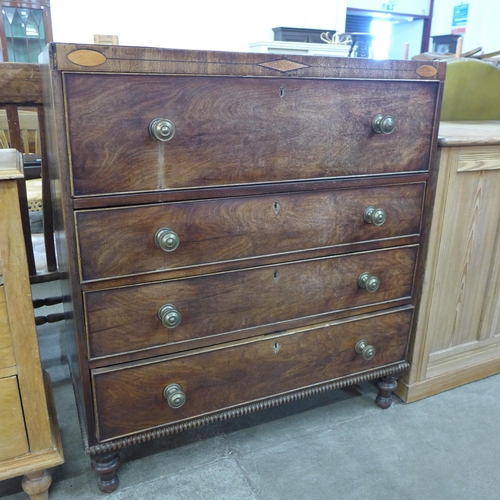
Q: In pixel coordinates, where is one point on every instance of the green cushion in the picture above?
(471, 91)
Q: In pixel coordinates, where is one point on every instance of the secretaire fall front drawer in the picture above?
(138, 317)
(131, 240)
(226, 376)
(227, 131)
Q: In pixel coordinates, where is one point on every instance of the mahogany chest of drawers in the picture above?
(237, 230)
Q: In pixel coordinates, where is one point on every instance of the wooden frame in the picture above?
(20, 86)
(21, 370)
(27, 4)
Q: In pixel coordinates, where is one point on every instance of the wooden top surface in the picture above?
(123, 59)
(470, 133)
(10, 164)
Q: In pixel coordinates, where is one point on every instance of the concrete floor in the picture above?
(335, 446)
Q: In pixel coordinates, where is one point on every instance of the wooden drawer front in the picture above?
(116, 242)
(13, 441)
(7, 357)
(126, 319)
(240, 130)
(130, 399)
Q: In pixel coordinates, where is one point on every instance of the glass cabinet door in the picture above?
(24, 33)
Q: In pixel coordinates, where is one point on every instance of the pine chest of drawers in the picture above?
(237, 230)
(30, 443)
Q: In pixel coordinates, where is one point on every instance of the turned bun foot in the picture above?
(105, 467)
(386, 386)
(36, 485)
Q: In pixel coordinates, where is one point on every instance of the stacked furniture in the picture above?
(29, 441)
(236, 230)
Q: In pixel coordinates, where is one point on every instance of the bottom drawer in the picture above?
(13, 441)
(130, 398)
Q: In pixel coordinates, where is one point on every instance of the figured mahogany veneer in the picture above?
(266, 297)
(220, 378)
(240, 228)
(318, 128)
(265, 190)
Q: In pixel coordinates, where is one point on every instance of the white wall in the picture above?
(415, 7)
(191, 24)
(226, 25)
(406, 32)
(482, 26)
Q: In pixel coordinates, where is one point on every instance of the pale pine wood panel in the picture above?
(7, 358)
(13, 436)
(457, 335)
(462, 356)
(490, 317)
(428, 387)
(419, 350)
(476, 158)
(468, 239)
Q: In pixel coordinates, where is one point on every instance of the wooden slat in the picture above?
(25, 220)
(20, 84)
(47, 214)
(16, 140)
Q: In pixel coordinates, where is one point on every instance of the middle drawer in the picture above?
(253, 301)
(121, 241)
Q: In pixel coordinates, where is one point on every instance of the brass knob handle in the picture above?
(174, 395)
(374, 215)
(369, 282)
(383, 124)
(366, 350)
(161, 129)
(166, 239)
(169, 316)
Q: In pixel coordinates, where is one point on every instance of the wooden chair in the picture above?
(29, 129)
(21, 100)
(21, 128)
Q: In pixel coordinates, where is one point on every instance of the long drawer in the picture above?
(126, 319)
(226, 376)
(121, 241)
(231, 131)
